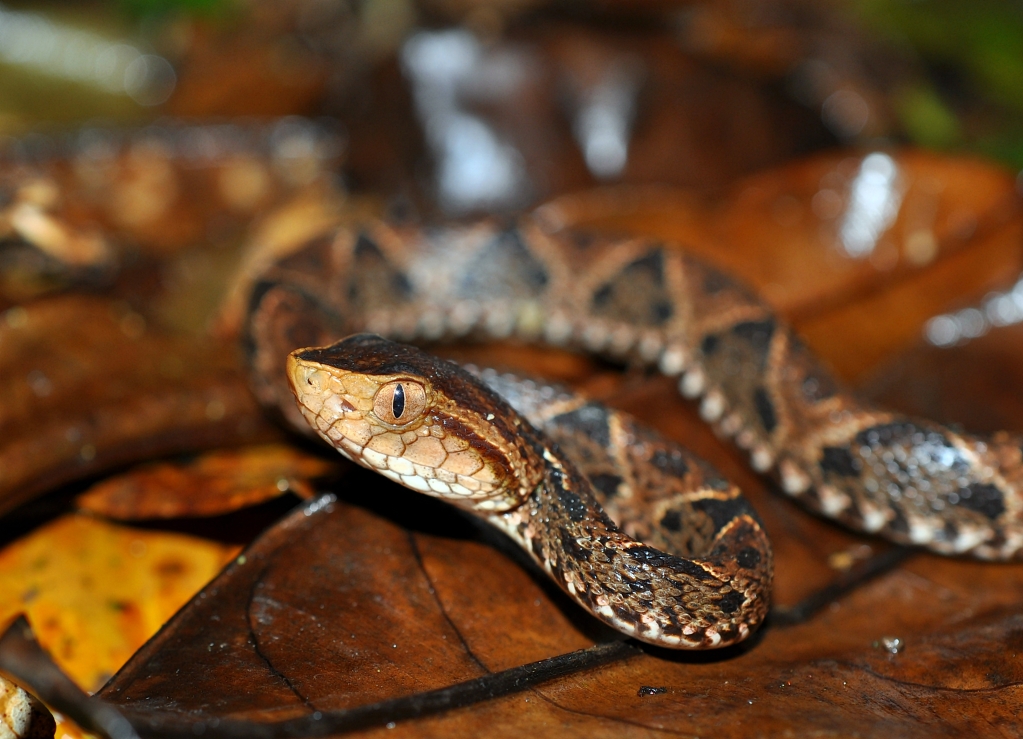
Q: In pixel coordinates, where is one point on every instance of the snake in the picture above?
(434, 427)
(678, 526)
(693, 572)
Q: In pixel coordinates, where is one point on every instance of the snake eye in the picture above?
(400, 402)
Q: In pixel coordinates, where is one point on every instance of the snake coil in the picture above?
(648, 303)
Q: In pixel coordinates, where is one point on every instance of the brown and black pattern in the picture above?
(698, 577)
(649, 303)
(658, 493)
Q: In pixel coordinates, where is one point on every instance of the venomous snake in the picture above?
(447, 433)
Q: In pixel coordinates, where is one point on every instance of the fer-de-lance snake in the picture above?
(647, 303)
(433, 427)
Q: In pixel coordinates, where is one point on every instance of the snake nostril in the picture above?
(346, 406)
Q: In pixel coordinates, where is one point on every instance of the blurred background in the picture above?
(454, 108)
(463, 106)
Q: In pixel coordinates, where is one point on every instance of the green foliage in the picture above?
(926, 118)
(984, 38)
(981, 43)
(161, 8)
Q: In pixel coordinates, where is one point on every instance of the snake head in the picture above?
(419, 420)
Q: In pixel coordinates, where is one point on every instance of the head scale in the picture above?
(417, 419)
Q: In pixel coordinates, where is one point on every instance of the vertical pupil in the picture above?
(398, 402)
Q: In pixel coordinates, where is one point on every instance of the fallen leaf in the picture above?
(212, 484)
(337, 608)
(96, 591)
(88, 385)
(975, 385)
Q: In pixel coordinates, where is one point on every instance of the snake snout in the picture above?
(299, 372)
(311, 385)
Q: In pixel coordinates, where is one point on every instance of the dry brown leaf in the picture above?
(337, 608)
(210, 485)
(975, 385)
(88, 385)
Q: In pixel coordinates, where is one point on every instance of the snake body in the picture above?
(433, 427)
(646, 302)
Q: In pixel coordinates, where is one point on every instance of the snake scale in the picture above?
(636, 300)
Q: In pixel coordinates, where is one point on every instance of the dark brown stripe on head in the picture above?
(453, 389)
